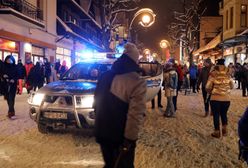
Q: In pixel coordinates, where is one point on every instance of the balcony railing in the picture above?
(82, 32)
(23, 7)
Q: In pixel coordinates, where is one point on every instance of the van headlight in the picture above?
(85, 101)
(36, 99)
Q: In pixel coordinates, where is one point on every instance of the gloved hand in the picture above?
(12, 81)
(5, 76)
(127, 145)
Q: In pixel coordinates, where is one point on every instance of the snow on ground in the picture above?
(181, 142)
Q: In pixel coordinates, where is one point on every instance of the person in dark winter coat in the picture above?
(36, 76)
(1, 80)
(202, 80)
(237, 74)
(244, 79)
(243, 135)
(193, 77)
(10, 77)
(47, 70)
(21, 76)
(57, 66)
(120, 109)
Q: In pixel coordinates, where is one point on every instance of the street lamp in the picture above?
(164, 44)
(147, 19)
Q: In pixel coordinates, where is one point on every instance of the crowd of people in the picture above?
(120, 107)
(13, 77)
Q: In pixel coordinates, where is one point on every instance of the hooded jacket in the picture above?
(219, 84)
(21, 71)
(120, 102)
(10, 69)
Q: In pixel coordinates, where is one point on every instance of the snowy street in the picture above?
(181, 142)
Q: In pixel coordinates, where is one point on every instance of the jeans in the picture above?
(170, 111)
(219, 109)
(193, 84)
(112, 154)
(206, 99)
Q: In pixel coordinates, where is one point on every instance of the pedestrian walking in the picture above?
(120, 107)
(9, 78)
(1, 80)
(179, 82)
(36, 76)
(47, 70)
(63, 68)
(28, 66)
(21, 76)
(57, 66)
(170, 83)
(219, 85)
(202, 80)
(186, 80)
(237, 74)
(244, 79)
(193, 77)
(243, 136)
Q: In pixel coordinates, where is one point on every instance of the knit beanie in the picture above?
(220, 62)
(131, 51)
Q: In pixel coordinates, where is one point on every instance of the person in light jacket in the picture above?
(120, 107)
(170, 84)
(219, 86)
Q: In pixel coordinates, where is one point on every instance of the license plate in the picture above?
(55, 115)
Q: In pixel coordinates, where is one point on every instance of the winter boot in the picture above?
(216, 134)
(224, 130)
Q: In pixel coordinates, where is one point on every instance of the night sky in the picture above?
(164, 10)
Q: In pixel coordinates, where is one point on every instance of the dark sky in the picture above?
(164, 9)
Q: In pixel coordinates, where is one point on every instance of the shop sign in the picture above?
(37, 51)
(8, 45)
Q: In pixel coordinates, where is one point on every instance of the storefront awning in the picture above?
(236, 40)
(71, 32)
(211, 45)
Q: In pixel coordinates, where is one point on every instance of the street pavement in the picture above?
(183, 141)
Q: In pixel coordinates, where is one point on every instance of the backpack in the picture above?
(173, 80)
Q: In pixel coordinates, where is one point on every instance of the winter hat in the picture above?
(171, 60)
(220, 61)
(168, 66)
(11, 58)
(131, 51)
